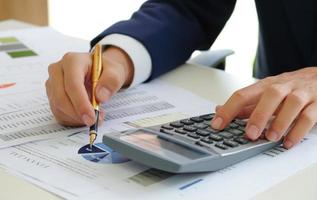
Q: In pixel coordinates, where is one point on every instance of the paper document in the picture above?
(56, 158)
(28, 118)
(57, 166)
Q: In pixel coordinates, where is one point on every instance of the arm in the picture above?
(171, 30)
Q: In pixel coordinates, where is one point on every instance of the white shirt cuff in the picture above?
(139, 55)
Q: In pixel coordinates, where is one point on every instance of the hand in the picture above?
(68, 86)
(290, 97)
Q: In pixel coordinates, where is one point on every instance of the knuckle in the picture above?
(240, 95)
(280, 126)
(268, 80)
(307, 118)
(258, 118)
(113, 81)
(276, 90)
(297, 98)
(68, 55)
(51, 69)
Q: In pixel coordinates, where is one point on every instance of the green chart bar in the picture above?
(19, 54)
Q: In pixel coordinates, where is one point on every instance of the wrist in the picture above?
(122, 58)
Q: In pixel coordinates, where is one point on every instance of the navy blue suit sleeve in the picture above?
(172, 29)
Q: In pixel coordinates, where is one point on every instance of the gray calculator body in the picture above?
(179, 148)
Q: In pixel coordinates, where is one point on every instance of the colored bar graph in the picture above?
(15, 48)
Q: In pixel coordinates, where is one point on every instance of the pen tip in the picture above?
(92, 138)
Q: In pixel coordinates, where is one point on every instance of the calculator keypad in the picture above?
(198, 129)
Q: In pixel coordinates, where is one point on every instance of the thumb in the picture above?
(110, 81)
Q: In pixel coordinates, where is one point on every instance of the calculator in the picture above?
(188, 145)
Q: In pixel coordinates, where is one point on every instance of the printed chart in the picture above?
(100, 153)
(14, 48)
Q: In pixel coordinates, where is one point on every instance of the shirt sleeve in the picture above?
(138, 54)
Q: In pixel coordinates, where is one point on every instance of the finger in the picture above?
(110, 81)
(64, 119)
(58, 98)
(246, 112)
(75, 67)
(291, 108)
(302, 126)
(241, 98)
(60, 116)
(269, 102)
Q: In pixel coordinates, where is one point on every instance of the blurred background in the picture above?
(86, 18)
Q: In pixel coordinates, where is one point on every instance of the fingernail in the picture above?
(252, 132)
(271, 135)
(103, 94)
(288, 144)
(86, 119)
(216, 122)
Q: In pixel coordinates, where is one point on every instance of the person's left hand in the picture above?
(290, 97)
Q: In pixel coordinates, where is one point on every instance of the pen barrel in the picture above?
(94, 102)
(95, 73)
(94, 128)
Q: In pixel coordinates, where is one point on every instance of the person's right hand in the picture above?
(68, 86)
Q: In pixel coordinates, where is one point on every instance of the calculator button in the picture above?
(241, 140)
(197, 119)
(211, 130)
(176, 124)
(167, 127)
(193, 135)
(226, 135)
(200, 126)
(199, 143)
(215, 137)
(236, 132)
(190, 128)
(166, 131)
(241, 128)
(221, 146)
(207, 117)
(230, 143)
(233, 125)
(207, 123)
(202, 133)
(207, 140)
(240, 122)
(180, 131)
(187, 122)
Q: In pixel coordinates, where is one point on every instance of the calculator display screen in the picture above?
(151, 142)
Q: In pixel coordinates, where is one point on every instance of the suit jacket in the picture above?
(172, 29)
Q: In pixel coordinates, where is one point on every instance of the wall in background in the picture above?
(31, 11)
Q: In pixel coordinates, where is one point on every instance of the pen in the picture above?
(95, 74)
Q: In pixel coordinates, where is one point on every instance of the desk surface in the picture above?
(209, 83)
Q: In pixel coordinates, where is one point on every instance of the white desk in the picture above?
(209, 83)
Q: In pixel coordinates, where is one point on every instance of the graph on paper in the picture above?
(15, 48)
